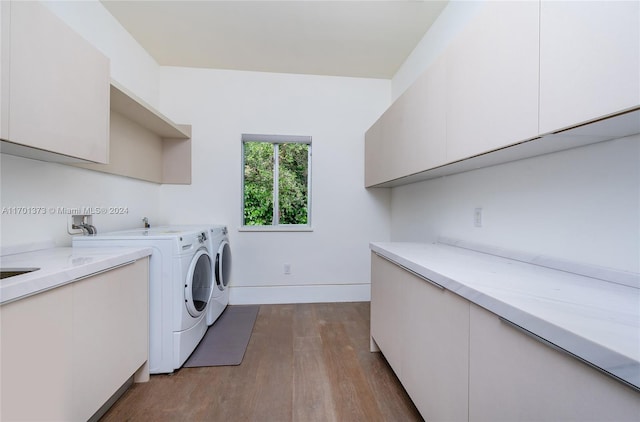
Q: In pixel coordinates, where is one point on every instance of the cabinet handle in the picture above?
(106, 270)
(532, 335)
(69, 282)
(420, 276)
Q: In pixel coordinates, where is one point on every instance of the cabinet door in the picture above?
(410, 136)
(589, 60)
(36, 357)
(492, 80)
(58, 86)
(377, 150)
(419, 133)
(110, 334)
(387, 311)
(514, 377)
(436, 350)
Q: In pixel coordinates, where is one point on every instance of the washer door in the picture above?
(197, 286)
(223, 265)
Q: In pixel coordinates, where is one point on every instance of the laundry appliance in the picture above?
(188, 272)
(221, 271)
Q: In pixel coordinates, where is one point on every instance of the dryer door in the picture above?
(223, 265)
(198, 285)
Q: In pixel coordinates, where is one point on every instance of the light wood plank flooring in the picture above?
(305, 362)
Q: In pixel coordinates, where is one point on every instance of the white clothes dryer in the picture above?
(181, 285)
(221, 272)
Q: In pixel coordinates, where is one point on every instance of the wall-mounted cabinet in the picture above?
(589, 61)
(54, 88)
(408, 138)
(492, 80)
(538, 82)
(144, 144)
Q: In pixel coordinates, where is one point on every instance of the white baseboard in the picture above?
(300, 294)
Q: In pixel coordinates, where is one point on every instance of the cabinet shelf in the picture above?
(128, 104)
(145, 144)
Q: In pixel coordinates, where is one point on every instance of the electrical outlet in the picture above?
(287, 269)
(477, 217)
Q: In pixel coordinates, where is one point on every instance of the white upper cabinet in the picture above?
(410, 135)
(522, 78)
(589, 61)
(492, 80)
(377, 150)
(422, 131)
(55, 88)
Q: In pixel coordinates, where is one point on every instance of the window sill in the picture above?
(283, 228)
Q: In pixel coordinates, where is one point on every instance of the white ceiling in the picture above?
(340, 38)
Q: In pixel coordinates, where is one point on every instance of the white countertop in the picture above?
(60, 266)
(595, 320)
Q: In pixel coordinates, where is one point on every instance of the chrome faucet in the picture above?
(87, 229)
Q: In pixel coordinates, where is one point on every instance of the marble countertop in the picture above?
(596, 320)
(60, 266)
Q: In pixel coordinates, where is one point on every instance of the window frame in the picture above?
(277, 140)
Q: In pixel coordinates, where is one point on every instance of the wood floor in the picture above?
(305, 362)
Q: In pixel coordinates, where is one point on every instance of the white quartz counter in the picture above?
(595, 320)
(60, 266)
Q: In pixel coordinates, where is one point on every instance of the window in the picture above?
(276, 181)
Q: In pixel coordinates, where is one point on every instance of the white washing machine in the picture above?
(182, 284)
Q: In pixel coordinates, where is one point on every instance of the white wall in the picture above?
(581, 205)
(33, 183)
(131, 65)
(330, 263)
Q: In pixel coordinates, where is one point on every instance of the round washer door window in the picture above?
(197, 290)
(223, 265)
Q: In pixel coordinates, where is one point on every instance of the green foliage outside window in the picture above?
(291, 191)
(258, 183)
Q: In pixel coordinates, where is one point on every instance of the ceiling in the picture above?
(339, 38)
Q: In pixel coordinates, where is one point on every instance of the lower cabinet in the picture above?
(36, 357)
(110, 334)
(513, 377)
(460, 362)
(423, 331)
(388, 299)
(436, 350)
(65, 352)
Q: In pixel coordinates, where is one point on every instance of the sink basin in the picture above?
(11, 272)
